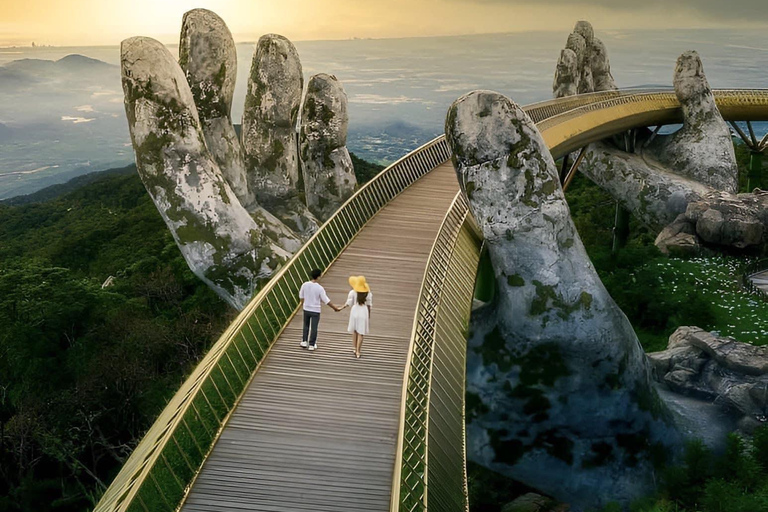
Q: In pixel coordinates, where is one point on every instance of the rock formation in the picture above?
(329, 178)
(682, 185)
(220, 241)
(567, 74)
(208, 58)
(583, 66)
(221, 207)
(560, 393)
(703, 148)
(270, 120)
(700, 364)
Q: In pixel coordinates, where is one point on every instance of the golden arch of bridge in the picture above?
(261, 425)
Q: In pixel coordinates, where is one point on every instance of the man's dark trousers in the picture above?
(310, 318)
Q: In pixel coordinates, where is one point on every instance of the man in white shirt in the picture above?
(313, 296)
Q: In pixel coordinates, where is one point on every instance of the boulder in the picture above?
(722, 370)
(329, 178)
(564, 397)
(529, 502)
(663, 362)
(270, 136)
(734, 355)
(725, 219)
(208, 58)
(220, 241)
(679, 238)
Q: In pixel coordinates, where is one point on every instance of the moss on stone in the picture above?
(474, 406)
(556, 445)
(548, 187)
(515, 280)
(547, 299)
(542, 365)
(647, 399)
(521, 149)
(601, 453)
(505, 451)
(470, 189)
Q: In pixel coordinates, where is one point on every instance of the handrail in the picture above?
(575, 128)
(158, 474)
(432, 406)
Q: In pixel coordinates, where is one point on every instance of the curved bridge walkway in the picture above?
(317, 431)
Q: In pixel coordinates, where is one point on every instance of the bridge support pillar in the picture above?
(755, 171)
(620, 228)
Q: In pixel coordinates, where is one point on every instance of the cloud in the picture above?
(733, 10)
(377, 99)
(77, 120)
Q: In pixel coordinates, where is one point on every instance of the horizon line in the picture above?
(357, 38)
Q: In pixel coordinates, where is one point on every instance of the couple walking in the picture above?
(360, 299)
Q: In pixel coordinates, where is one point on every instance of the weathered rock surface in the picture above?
(532, 502)
(734, 374)
(679, 238)
(220, 241)
(695, 166)
(583, 66)
(567, 74)
(649, 191)
(270, 134)
(703, 148)
(329, 178)
(208, 58)
(724, 219)
(601, 68)
(203, 182)
(560, 394)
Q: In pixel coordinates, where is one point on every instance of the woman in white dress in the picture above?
(360, 299)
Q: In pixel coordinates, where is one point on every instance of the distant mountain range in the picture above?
(70, 63)
(25, 71)
(54, 191)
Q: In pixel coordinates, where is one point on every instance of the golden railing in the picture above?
(430, 463)
(159, 472)
(573, 129)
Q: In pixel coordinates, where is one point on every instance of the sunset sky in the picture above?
(107, 22)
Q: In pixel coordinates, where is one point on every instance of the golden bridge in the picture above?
(261, 425)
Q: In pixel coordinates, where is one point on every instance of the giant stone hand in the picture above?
(682, 185)
(235, 212)
(560, 387)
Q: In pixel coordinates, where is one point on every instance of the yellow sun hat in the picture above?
(359, 284)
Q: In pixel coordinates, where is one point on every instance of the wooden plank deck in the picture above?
(316, 431)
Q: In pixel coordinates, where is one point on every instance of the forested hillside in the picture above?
(85, 368)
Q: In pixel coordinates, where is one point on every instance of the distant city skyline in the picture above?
(100, 22)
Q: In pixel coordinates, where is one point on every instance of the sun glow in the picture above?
(84, 22)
